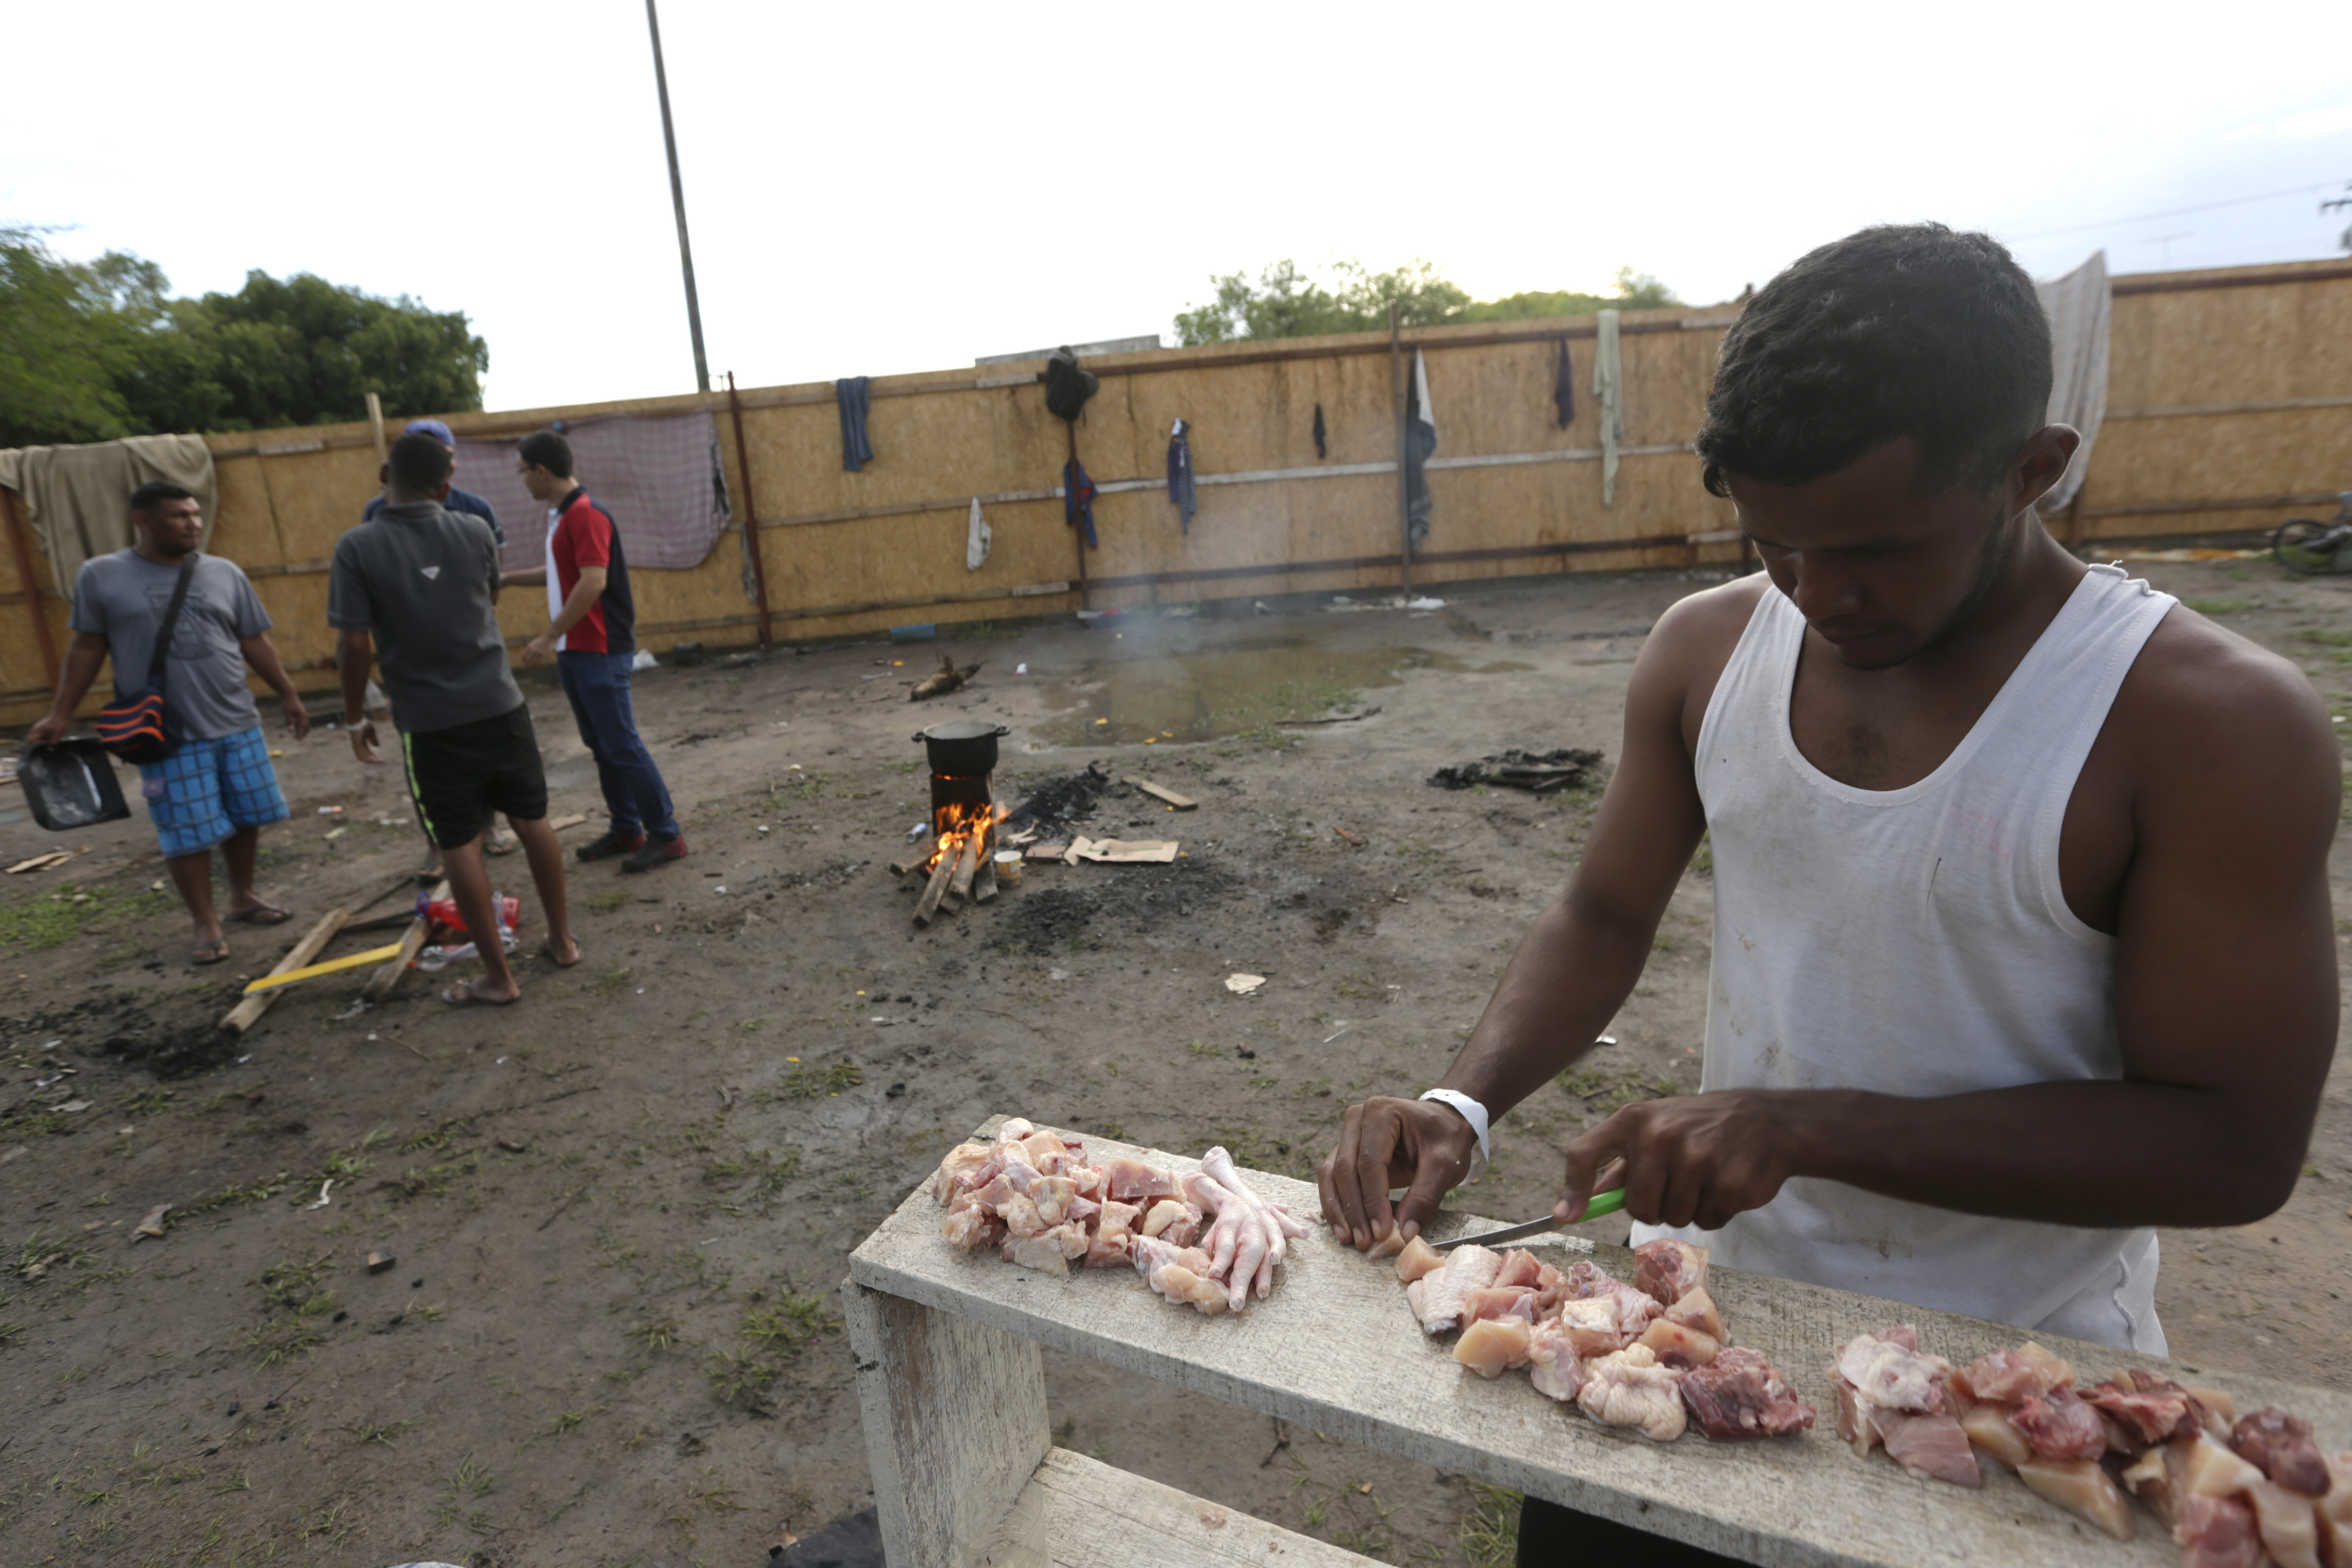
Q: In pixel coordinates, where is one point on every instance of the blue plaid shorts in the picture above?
(207, 789)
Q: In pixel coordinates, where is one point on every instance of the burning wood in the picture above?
(964, 838)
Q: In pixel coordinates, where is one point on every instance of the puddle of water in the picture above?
(1201, 697)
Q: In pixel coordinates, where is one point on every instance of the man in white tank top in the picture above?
(2022, 945)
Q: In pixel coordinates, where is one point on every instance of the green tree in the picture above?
(1287, 303)
(93, 351)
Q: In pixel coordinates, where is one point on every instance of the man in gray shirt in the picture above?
(414, 587)
(217, 787)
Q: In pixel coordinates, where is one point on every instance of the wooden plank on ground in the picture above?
(1336, 1350)
(1162, 792)
(247, 1013)
(1096, 1516)
(411, 941)
(573, 820)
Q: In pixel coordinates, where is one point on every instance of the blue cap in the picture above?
(432, 427)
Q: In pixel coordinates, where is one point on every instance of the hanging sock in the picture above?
(1322, 448)
(976, 540)
(1180, 473)
(1078, 501)
(1563, 387)
(1608, 386)
(854, 393)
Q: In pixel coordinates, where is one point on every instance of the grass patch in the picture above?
(68, 911)
(2326, 638)
(807, 1083)
(2219, 606)
(1490, 1529)
(605, 903)
(770, 1336)
(1611, 1094)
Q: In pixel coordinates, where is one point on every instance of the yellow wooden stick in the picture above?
(347, 961)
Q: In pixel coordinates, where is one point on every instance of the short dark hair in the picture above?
(419, 463)
(545, 449)
(1908, 329)
(155, 492)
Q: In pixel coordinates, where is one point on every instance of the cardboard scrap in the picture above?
(1122, 851)
(154, 1224)
(1243, 985)
(1162, 792)
(43, 863)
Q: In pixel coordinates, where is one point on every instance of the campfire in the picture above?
(960, 864)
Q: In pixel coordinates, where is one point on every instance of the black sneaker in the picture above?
(611, 844)
(652, 851)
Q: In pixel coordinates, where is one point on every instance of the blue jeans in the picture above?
(598, 685)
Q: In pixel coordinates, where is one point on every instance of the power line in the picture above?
(2175, 213)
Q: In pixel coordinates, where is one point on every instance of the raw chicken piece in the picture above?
(2287, 1522)
(2013, 1376)
(2082, 1488)
(1440, 1300)
(1417, 1259)
(1053, 1196)
(1046, 1152)
(1041, 1251)
(1501, 1301)
(1891, 1375)
(1631, 1389)
(1697, 1312)
(994, 1194)
(2281, 1445)
(1552, 1289)
(1520, 1267)
(2146, 1418)
(1114, 1231)
(1014, 1130)
(1738, 1396)
(2150, 1478)
(2061, 1427)
(1387, 1246)
(1021, 1217)
(972, 1228)
(1930, 1446)
(1669, 1269)
(1493, 1345)
(1553, 1364)
(1180, 1274)
(2208, 1469)
(1989, 1427)
(1677, 1346)
(962, 1161)
(1170, 1215)
(1073, 1237)
(1251, 1237)
(2218, 1532)
(1586, 1280)
(1593, 1326)
(1136, 1181)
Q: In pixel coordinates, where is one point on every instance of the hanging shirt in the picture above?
(1916, 942)
(1608, 386)
(1180, 492)
(580, 533)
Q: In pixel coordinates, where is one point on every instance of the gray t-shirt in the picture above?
(121, 598)
(420, 579)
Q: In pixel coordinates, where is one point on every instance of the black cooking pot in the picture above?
(963, 748)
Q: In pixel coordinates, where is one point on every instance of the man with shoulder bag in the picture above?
(181, 627)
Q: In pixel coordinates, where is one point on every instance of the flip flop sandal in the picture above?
(263, 915)
(204, 953)
(461, 995)
(547, 950)
(495, 846)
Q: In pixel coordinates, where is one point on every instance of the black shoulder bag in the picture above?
(137, 731)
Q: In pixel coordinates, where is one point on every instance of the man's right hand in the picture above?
(363, 745)
(50, 730)
(1424, 1145)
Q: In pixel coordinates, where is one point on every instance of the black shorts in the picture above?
(462, 776)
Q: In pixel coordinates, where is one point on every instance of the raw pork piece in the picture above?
(2287, 1522)
(1930, 1446)
(1114, 1231)
(2013, 1376)
(1990, 1428)
(2218, 1532)
(1677, 1346)
(1493, 1345)
(1418, 1258)
(2280, 1445)
(1520, 1267)
(1696, 1312)
(1669, 1269)
(1738, 1396)
(2081, 1486)
(1440, 1300)
(1180, 1274)
(1503, 1301)
(1631, 1389)
(1553, 1364)
(1136, 1181)
(2061, 1427)
(972, 1228)
(963, 1161)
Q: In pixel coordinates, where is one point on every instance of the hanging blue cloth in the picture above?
(1180, 473)
(1078, 501)
(855, 394)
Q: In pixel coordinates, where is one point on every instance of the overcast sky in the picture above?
(903, 188)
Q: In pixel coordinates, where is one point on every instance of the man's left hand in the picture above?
(1696, 1159)
(539, 651)
(364, 744)
(297, 718)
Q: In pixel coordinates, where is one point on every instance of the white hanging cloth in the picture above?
(976, 540)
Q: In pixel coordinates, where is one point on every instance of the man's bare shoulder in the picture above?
(2203, 703)
(1692, 643)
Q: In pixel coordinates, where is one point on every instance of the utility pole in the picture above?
(678, 200)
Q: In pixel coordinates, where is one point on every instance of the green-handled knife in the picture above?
(1602, 1203)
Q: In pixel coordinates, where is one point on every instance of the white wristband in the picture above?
(1474, 1114)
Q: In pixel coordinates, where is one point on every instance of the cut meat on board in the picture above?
(1738, 1397)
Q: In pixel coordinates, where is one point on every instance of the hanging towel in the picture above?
(2077, 305)
(1078, 500)
(1420, 441)
(1563, 387)
(1180, 473)
(1321, 450)
(976, 539)
(855, 394)
(78, 498)
(1608, 385)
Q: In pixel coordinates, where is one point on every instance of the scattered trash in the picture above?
(685, 655)
(72, 1107)
(1162, 792)
(1121, 851)
(1053, 851)
(18, 1153)
(1347, 835)
(763, 827)
(152, 1225)
(43, 863)
(1020, 669)
(1542, 772)
(721, 889)
(513, 1147)
(1606, 1040)
(914, 835)
(645, 659)
(322, 1199)
(1424, 604)
(331, 810)
(332, 834)
(379, 1261)
(914, 633)
(1008, 868)
(1243, 985)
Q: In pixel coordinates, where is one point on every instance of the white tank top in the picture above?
(1915, 942)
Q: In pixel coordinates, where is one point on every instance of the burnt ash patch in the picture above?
(1113, 899)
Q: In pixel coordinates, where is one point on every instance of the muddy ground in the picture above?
(620, 1209)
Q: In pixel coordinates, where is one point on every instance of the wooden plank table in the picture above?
(951, 1388)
